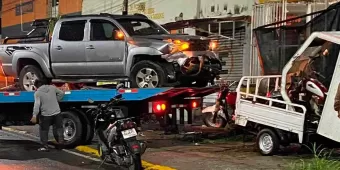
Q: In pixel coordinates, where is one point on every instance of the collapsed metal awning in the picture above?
(197, 22)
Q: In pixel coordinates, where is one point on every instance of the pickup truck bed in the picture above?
(248, 109)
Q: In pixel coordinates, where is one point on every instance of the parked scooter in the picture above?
(117, 135)
(221, 118)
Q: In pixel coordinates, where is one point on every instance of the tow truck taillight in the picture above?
(159, 107)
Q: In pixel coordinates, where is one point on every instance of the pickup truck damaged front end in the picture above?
(190, 56)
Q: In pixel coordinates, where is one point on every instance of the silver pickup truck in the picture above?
(105, 47)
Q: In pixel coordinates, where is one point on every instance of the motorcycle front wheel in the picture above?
(137, 163)
(208, 121)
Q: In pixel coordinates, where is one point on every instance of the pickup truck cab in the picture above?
(105, 47)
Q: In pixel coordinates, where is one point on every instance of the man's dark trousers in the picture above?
(45, 122)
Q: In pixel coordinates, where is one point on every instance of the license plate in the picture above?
(129, 133)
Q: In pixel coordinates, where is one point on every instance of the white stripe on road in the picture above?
(26, 136)
(82, 155)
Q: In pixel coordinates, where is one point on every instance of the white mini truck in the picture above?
(280, 121)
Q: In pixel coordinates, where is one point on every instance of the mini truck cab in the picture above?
(289, 119)
(105, 47)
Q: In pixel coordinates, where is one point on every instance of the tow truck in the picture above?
(173, 108)
(280, 121)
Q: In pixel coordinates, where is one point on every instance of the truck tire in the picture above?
(267, 142)
(88, 136)
(147, 74)
(28, 75)
(72, 129)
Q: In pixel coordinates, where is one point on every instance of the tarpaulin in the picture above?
(277, 44)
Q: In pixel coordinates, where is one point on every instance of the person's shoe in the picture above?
(43, 149)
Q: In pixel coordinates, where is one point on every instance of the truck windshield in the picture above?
(141, 27)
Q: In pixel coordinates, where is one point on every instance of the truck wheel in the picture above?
(88, 136)
(267, 142)
(147, 74)
(28, 75)
(72, 127)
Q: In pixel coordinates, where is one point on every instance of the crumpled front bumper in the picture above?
(211, 63)
(211, 59)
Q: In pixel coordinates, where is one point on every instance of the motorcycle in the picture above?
(311, 90)
(222, 117)
(117, 135)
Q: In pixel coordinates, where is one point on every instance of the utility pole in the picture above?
(49, 8)
(125, 7)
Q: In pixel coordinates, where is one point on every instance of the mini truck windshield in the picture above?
(140, 27)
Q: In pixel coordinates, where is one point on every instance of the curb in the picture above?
(146, 165)
(92, 151)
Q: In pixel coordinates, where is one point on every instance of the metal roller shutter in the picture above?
(232, 52)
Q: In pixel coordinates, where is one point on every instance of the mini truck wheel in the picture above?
(147, 74)
(72, 129)
(267, 142)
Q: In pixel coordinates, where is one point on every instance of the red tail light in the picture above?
(194, 104)
(159, 107)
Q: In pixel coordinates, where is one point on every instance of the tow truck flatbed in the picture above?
(104, 95)
(171, 106)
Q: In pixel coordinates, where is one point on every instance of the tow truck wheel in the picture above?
(147, 74)
(88, 136)
(267, 142)
(72, 129)
(28, 75)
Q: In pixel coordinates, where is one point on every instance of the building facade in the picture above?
(17, 15)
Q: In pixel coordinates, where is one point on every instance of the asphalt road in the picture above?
(18, 152)
(178, 154)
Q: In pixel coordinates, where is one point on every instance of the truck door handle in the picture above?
(58, 47)
(90, 47)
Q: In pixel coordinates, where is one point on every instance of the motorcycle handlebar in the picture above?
(111, 102)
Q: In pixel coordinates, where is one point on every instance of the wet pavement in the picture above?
(18, 152)
(183, 155)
